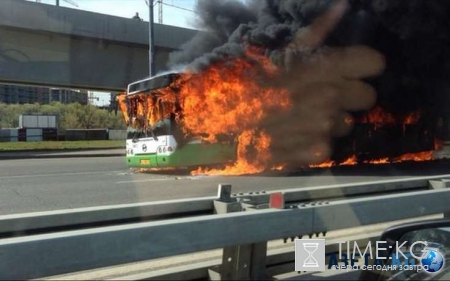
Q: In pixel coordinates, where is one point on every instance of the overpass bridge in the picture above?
(60, 47)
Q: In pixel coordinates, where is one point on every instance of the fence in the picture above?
(38, 121)
(43, 244)
(117, 134)
(9, 135)
(86, 134)
(51, 134)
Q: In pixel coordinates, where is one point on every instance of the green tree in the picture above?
(71, 116)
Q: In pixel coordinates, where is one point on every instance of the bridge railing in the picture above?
(44, 244)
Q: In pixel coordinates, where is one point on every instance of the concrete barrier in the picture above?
(117, 134)
(8, 135)
(34, 134)
(86, 134)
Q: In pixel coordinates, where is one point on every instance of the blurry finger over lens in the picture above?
(354, 62)
(297, 126)
(352, 95)
(305, 152)
(313, 36)
(342, 124)
(356, 95)
(314, 94)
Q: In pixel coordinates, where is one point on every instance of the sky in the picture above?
(127, 9)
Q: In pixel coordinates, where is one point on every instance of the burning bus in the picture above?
(165, 113)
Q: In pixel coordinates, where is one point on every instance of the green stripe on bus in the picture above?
(188, 155)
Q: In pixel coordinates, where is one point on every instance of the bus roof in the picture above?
(152, 83)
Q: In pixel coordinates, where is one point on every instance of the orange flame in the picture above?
(251, 145)
(412, 118)
(278, 168)
(352, 160)
(379, 117)
(418, 157)
(229, 98)
(378, 161)
(123, 107)
(438, 144)
(326, 164)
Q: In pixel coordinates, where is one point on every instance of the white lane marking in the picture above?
(60, 174)
(148, 180)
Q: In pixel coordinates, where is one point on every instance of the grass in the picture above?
(60, 145)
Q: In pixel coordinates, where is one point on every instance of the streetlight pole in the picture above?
(151, 40)
(57, 3)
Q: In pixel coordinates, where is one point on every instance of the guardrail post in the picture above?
(226, 204)
(241, 262)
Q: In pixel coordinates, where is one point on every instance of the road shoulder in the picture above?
(33, 154)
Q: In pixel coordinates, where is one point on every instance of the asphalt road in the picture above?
(48, 184)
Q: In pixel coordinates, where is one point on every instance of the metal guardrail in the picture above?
(50, 221)
(178, 227)
(20, 224)
(279, 261)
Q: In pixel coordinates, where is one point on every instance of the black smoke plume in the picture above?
(414, 35)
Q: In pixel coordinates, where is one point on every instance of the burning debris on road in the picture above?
(290, 81)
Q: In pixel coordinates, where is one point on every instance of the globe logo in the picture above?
(432, 261)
